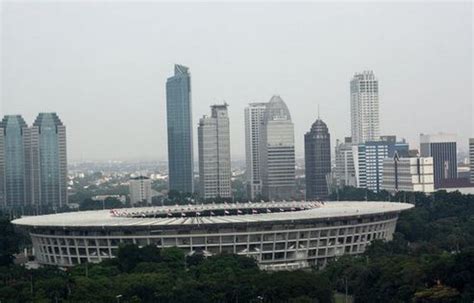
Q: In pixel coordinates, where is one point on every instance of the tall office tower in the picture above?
(471, 159)
(408, 174)
(48, 161)
(317, 156)
(140, 190)
(364, 107)
(180, 133)
(344, 170)
(214, 154)
(253, 128)
(277, 152)
(442, 147)
(13, 169)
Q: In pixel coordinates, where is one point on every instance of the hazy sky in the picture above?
(102, 66)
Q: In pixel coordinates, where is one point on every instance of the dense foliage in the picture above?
(431, 259)
(149, 274)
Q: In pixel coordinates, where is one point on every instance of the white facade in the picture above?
(253, 127)
(285, 235)
(368, 164)
(408, 174)
(140, 190)
(214, 154)
(471, 159)
(345, 171)
(364, 108)
(277, 152)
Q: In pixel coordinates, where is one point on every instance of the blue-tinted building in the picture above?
(13, 153)
(49, 161)
(369, 158)
(180, 133)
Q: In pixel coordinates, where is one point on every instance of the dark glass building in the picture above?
(180, 133)
(317, 150)
(443, 149)
(13, 173)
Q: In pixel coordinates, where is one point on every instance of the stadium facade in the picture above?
(279, 235)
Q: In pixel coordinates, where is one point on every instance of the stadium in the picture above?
(279, 235)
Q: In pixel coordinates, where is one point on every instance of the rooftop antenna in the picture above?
(318, 112)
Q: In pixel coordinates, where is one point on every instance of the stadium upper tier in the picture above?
(212, 214)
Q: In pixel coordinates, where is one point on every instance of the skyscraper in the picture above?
(13, 172)
(344, 170)
(253, 128)
(317, 156)
(48, 158)
(277, 152)
(180, 133)
(442, 147)
(214, 154)
(471, 159)
(364, 107)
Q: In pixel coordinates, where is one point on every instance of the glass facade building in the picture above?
(180, 133)
(317, 155)
(13, 173)
(443, 149)
(49, 160)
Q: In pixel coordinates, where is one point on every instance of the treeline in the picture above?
(149, 274)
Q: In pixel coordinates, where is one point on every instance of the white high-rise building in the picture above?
(253, 128)
(345, 171)
(408, 174)
(214, 154)
(364, 108)
(277, 152)
(140, 190)
(471, 159)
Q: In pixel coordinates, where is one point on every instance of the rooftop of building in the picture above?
(455, 183)
(276, 109)
(319, 126)
(140, 178)
(213, 214)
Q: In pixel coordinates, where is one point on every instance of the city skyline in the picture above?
(119, 88)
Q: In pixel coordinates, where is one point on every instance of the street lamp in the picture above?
(118, 298)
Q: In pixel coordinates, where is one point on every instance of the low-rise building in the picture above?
(140, 190)
(408, 174)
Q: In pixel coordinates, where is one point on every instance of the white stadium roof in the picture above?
(149, 216)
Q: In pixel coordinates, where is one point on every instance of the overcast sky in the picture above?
(102, 66)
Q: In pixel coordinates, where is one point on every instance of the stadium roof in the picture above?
(259, 212)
